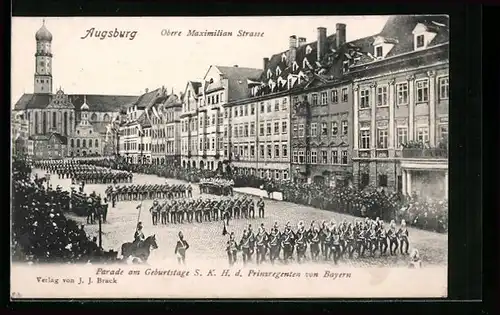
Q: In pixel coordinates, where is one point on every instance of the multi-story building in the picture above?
(60, 113)
(256, 134)
(189, 124)
(401, 95)
(42, 147)
(172, 109)
(220, 85)
(136, 132)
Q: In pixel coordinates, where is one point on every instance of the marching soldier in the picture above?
(180, 249)
(261, 242)
(274, 243)
(393, 238)
(245, 246)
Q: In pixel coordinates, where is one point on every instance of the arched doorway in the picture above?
(219, 166)
(194, 164)
(184, 164)
(202, 164)
(319, 180)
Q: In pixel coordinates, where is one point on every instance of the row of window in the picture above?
(84, 143)
(269, 174)
(322, 97)
(320, 129)
(204, 144)
(249, 109)
(402, 93)
(311, 157)
(402, 136)
(268, 151)
(215, 98)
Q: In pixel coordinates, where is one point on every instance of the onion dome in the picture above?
(43, 34)
(84, 106)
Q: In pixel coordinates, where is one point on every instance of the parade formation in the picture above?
(368, 238)
(326, 242)
(178, 211)
(89, 174)
(148, 192)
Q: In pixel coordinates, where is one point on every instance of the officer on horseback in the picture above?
(138, 236)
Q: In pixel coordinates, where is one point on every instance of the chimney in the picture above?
(236, 66)
(292, 51)
(321, 49)
(146, 90)
(340, 34)
(302, 41)
(266, 62)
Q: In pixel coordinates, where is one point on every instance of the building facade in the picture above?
(401, 99)
(219, 86)
(256, 135)
(189, 124)
(171, 111)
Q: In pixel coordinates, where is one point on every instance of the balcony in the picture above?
(416, 153)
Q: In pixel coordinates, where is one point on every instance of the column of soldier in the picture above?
(89, 174)
(328, 242)
(148, 192)
(201, 210)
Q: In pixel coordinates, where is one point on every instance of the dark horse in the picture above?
(142, 251)
(269, 188)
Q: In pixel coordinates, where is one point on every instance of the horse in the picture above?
(142, 251)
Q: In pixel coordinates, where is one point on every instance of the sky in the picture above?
(128, 67)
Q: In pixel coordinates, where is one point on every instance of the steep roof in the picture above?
(196, 86)
(276, 60)
(32, 101)
(398, 30)
(96, 103)
(237, 80)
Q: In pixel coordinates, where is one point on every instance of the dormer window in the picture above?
(306, 63)
(379, 52)
(308, 50)
(420, 43)
(278, 71)
(295, 66)
(269, 73)
(345, 66)
(423, 35)
(283, 57)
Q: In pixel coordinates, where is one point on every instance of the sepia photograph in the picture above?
(229, 157)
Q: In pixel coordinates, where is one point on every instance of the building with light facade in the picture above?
(189, 124)
(219, 86)
(401, 98)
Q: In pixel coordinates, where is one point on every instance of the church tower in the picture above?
(43, 61)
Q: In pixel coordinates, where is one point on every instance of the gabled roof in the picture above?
(196, 87)
(237, 80)
(147, 99)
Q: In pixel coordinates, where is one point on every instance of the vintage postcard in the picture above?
(230, 157)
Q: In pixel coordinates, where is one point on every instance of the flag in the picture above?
(147, 114)
(139, 206)
(155, 112)
(251, 82)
